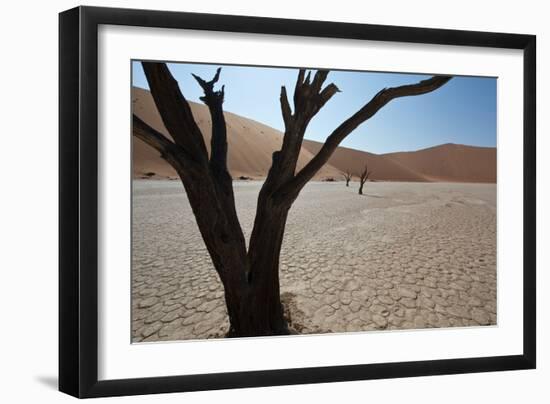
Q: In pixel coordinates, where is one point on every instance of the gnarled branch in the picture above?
(285, 108)
(308, 97)
(152, 137)
(218, 143)
(383, 97)
(208, 86)
(174, 110)
(176, 156)
(308, 100)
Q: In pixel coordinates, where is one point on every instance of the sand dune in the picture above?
(354, 160)
(251, 145)
(451, 162)
(443, 163)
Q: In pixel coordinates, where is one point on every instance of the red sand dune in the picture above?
(354, 160)
(251, 145)
(451, 162)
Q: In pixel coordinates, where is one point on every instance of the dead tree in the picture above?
(250, 276)
(363, 177)
(348, 176)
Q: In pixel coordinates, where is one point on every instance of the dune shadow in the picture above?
(48, 381)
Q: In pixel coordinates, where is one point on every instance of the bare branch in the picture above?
(174, 109)
(169, 151)
(211, 96)
(285, 107)
(306, 81)
(308, 100)
(365, 174)
(218, 143)
(328, 92)
(363, 178)
(372, 107)
(308, 97)
(318, 80)
(152, 137)
(208, 86)
(299, 83)
(347, 176)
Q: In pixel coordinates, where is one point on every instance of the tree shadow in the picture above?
(373, 196)
(48, 381)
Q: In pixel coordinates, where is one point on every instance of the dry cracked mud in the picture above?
(402, 256)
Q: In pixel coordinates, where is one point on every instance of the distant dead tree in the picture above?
(250, 277)
(363, 177)
(348, 176)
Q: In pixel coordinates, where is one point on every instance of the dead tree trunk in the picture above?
(363, 177)
(250, 277)
(348, 176)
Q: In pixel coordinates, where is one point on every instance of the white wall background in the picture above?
(28, 206)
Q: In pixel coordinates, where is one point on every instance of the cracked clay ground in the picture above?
(405, 255)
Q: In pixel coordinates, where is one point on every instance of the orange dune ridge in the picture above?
(251, 144)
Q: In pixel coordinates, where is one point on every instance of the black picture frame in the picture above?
(78, 201)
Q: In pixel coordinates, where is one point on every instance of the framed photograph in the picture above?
(251, 201)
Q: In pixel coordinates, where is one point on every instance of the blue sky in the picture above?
(462, 111)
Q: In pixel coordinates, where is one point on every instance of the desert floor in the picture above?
(405, 255)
